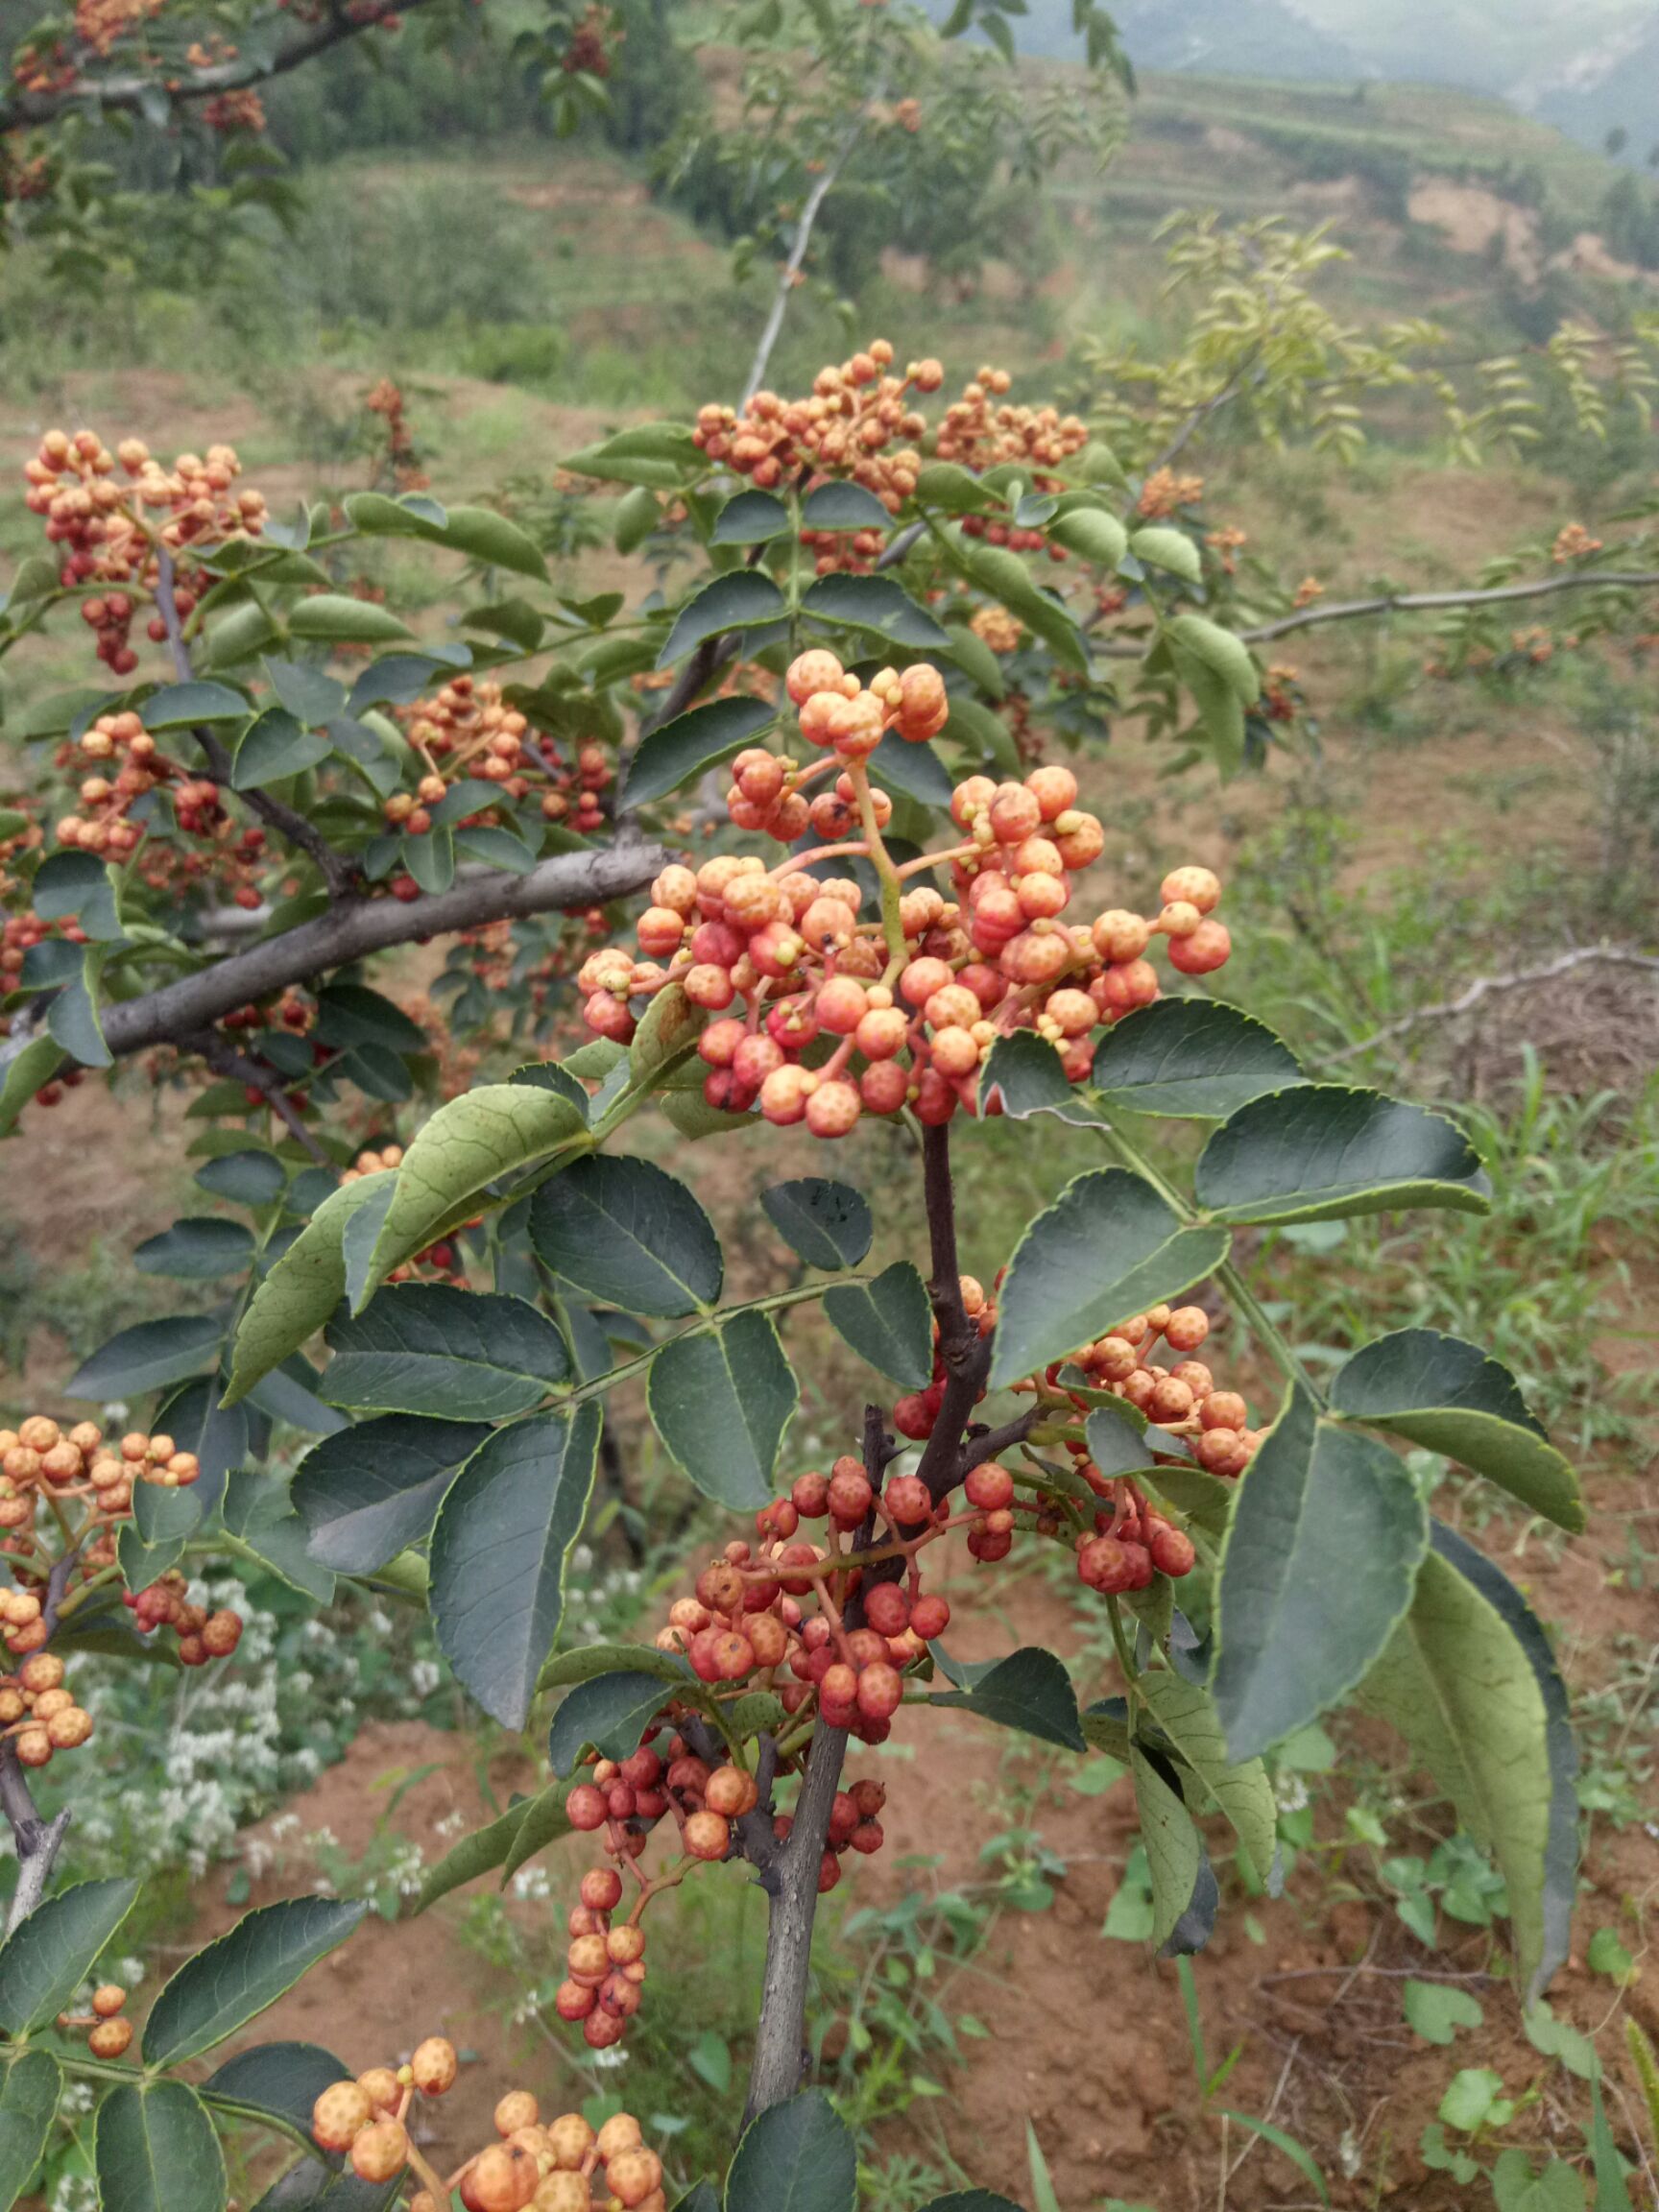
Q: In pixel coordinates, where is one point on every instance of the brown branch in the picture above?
(359, 926)
(38, 1842)
(1484, 986)
(337, 870)
(224, 1058)
(964, 1353)
(132, 94)
(1432, 602)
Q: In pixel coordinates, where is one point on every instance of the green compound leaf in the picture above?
(721, 1400)
(366, 1493)
(1297, 1626)
(1029, 1690)
(671, 755)
(736, 602)
(502, 1542)
(828, 1224)
(29, 2087)
(888, 1322)
(1108, 1247)
(628, 1234)
(796, 2158)
(430, 1348)
(156, 2150)
(475, 1141)
(1452, 1397)
(1324, 1152)
(1191, 1058)
(242, 1972)
(1469, 1680)
(301, 1292)
(610, 1713)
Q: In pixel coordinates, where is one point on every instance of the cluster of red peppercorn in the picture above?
(107, 537)
(44, 1470)
(921, 993)
(595, 35)
(563, 2165)
(468, 730)
(38, 1715)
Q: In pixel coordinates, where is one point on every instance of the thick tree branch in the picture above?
(964, 1353)
(358, 927)
(130, 94)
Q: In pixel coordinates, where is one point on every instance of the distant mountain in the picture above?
(1475, 45)
(1612, 85)
(1232, 38)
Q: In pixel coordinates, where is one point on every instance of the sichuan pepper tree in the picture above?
(846, 693)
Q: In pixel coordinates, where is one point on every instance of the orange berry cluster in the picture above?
(105, 825)
(202, 1635)
(847, 426)
(100, 23)
(99, 522)
(370, 1162)
(467, 730)
(37, 1713)
(231, 112)
(1181, 1398)
(402, 457)
(107, 2034)
(531, 2167)
(997, 958)
(593, 40)
(979, 434)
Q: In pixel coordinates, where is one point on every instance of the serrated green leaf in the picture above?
(721, 1400)
(148, 1356)
(877, 604)
(368, 1492)
(1452, 1397)
(233, 1979)
(1174, 1851)
(738, 601)
(1029, 1690)
(1108, 1247)
(627, 1233)
(1186, 1714)
(682, 748)
(47, 1956)
(156, 2151)
(1190, 1058)
(301, 1292)
(888, 1322)
(828, 1224)
(750, 518)
(431, 1348)
(500, 1549)
(198, 1248)
(30, 2086)
(611, 1712)
(795, 2157)
(342, 620)
(1324, 1152)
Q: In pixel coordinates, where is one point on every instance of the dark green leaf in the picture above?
(249, 1178)
(877, 604)
(197, 1249)
(888, 1322)
(499, 1553)
(429, 1348)
(279, 2082)
(431, 859)
(734, 602)
(145, 1357)
(589, 1660)
(1470, 1682)
(751, 518)
(721, 1400)
(474, 1855)
(275, 745)
(156, 2151)
(1186, 1715)
(796, 2158)
(350, 1014)
(828, 1224)
(1324, 1151)
(545, 1822)
(77, 883)
(241, 1973)
(1029, 1691)
(844, 506)
(1193, 1058)
(1296, 1625)
(175, 705)
(611, 1712)
(366, 1493)
(258, 1511)
(72, 1019)
(1108, 1247)
(1024, 1071)
(29, 2087)
(1175, 1850)
(682, 748)
(1451, 1397)
(914, 770)
(47, 1956)
(309, 695)
(626, 1231)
